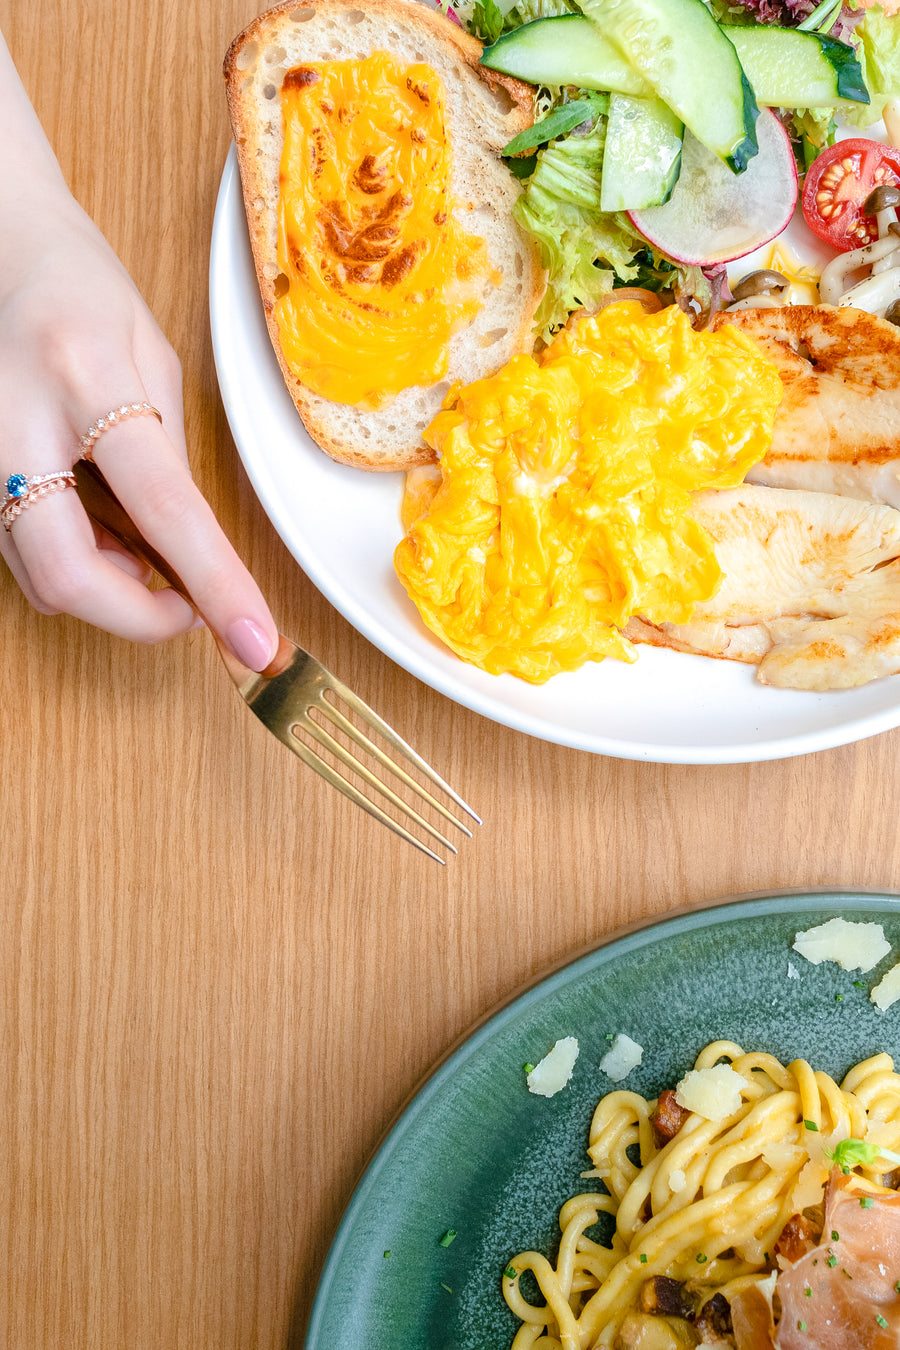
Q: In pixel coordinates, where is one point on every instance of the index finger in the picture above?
(153, 482)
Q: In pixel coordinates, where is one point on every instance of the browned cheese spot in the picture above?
(300, 78)
(399, 266)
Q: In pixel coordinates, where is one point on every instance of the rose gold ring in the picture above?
(21, 491)
(112, 419)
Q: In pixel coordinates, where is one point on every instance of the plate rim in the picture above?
(489, 705)
(625, 939)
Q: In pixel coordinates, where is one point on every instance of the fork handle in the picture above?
(103, 506)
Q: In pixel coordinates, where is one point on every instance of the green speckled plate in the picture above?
(476, 1152)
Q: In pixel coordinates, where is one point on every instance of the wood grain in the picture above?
(219, 980)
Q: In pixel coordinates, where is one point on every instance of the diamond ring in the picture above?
(112, 419)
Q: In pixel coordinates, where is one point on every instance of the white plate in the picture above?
(342, 526)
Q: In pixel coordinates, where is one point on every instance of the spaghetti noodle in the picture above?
(707, 1208)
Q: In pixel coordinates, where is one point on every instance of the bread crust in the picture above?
(389, 439)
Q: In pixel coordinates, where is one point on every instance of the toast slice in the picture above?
(484, 111)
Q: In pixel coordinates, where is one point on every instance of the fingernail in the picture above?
(249, 643)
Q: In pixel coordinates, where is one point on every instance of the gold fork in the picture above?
(290, 689)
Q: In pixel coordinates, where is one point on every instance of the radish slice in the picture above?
(714, 215)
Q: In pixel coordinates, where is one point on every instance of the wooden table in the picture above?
(220, 981)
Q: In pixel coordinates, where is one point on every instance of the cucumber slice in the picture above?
(790, 69)
(680, 50)
(714, 216)
(566, 49)
(642, 154)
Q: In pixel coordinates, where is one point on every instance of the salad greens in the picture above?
(487, 19)
(857, 1153)
(561, 120)
(588, 252)
(878, 38)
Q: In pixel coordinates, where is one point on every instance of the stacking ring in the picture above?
(112, 419)
(22, 491)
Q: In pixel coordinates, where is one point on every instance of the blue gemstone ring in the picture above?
(21, 491)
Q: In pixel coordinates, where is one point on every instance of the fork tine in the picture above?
(324, 737)
(379, 725)
(387, 763)
(331, 775)
(281, 700)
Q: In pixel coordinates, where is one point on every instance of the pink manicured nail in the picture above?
(249, 643)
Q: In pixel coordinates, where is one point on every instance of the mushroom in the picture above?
(875, 294)
(759, 290)
(761, 283)
(881, 288)
(891, 115)
(882, 203)
(757, 302)
(833, 284)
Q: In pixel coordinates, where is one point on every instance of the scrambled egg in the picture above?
(563, 506)
(377, 273)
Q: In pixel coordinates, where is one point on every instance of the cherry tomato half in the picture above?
(838, 182)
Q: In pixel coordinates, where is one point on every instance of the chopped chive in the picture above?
(847, 1273)
(387, 1254)
(700, 1258)
(811, 1125)
(897, 1287)
(808, 1292)
(839, 998)
(610, 1036)
(860, 984)
(528, 1068)
(801, 1325)
(866, 1201)
(882, 1321)
(835, 1235)
(510, 1272)
(448, 1237)
(832, 1262)
(447, 1287)
(643, 1258)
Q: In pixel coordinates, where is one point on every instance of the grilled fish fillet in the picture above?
(811, 588)
(838, 427)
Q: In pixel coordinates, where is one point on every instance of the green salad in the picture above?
(637, 102)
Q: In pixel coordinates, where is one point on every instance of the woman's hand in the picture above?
(77, 340)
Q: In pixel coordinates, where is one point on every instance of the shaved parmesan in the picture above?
(854, 946)
(882, 1133)
(677, 1180)
(622, 1056)
(711, 1093)
(809, 1189)
(555, 1069)
(887, 991)
(780, 1155)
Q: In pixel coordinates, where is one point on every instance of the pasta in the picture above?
(706, 1207)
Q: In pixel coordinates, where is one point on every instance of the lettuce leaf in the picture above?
(487, 19)
(588, 252)
(878, 48)
(526, 10)
(583, 249)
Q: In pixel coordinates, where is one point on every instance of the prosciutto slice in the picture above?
(842, 1294)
